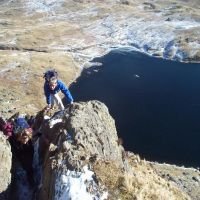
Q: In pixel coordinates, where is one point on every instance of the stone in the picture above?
(94, 149)
(5, 167)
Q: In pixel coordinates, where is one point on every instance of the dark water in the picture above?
(155, 103)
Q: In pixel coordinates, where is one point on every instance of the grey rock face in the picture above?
(93, 128)
(82, 159)
(78, 136)
(5, 167)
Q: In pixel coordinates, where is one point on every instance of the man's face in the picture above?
(25, 136)
(52, 86)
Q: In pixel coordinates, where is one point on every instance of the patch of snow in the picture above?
(180, 55)
(46, 117)
(194, 45)
(54, 121)
(92, 64)
(42, 5)
(175, 166)
(75, 185)
(184, 25)
(152, 34)
(8, 41)
(149, 36)
(9, 67)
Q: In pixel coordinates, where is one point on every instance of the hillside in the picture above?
(66, 35)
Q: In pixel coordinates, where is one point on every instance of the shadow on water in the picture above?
(155, 103)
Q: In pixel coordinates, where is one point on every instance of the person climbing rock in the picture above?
(51, 88)
(19, 133)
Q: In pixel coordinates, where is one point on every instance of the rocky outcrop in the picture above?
(94, 129)
(80, 136)
(5, 167)
(82, 159)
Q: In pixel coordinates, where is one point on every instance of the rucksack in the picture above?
(49, 74)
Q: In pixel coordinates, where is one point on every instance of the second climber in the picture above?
(52, 86)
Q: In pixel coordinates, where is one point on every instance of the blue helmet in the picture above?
(20, 124)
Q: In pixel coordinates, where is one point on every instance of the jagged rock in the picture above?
(84, 160)
(94, 129)
(93, 137)
(5, 167)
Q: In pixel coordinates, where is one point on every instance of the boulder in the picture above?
(5, 167)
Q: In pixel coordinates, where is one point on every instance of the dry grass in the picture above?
(142, 183)
(22, 80)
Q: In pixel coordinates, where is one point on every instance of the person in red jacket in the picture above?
(19, 129)
(19, 134)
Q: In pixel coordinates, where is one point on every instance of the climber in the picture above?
(19, 133)
(51, 88)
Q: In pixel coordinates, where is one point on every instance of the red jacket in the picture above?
(6, 127)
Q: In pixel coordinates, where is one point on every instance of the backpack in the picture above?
(49, 74)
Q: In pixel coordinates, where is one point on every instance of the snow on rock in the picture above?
(156, 28)
(53, 122)
(42, 5)
(77, 185)
(9, 67)
(149, 36)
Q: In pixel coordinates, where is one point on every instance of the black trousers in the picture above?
(23, 153)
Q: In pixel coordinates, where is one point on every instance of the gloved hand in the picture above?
(48, 111)
(47, 108)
